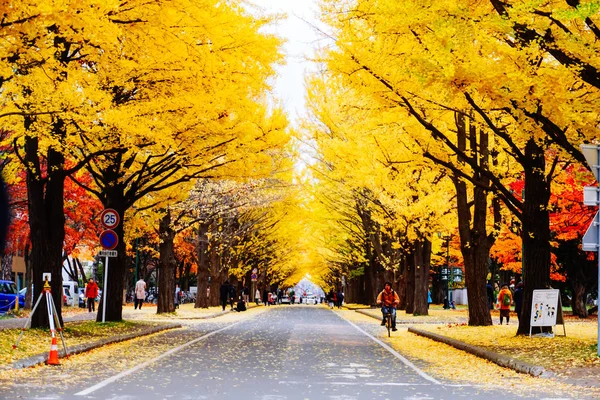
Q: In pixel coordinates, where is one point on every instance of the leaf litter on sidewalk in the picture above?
(451, 365)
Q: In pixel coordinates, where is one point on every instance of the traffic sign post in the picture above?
(108, 240)
(591, 239)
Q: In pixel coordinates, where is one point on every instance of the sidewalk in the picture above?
(145, 322)
(147, 312)
(571, 359)
(434, 317)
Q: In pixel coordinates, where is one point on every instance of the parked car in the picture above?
(23, 293)
(82, 299)
(72, 292)
(8, 295)
(311, 300)
(67, 298)
(285, 299)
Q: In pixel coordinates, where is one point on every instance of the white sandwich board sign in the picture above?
(546, 310)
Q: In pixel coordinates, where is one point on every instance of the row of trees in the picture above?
(133, 102)
(426, 116)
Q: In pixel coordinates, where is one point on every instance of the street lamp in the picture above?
(449, 274)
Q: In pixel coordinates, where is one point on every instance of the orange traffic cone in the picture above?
(53, 357)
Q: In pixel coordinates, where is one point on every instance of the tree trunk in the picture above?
(536, 230)
(578, 301)
(402, 284)
(117, 266)
(410, 283)
(203, 267)
(28, 279)
(215, 274)
(422, 258)
(7, 260)
(475, 242)
(46, 222)
(166, 271)
(81, 271)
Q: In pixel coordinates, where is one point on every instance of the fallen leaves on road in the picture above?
(452, 365)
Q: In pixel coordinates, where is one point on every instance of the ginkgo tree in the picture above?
(427, 60)
(383, 184)
(49, 96)
(196, 108)
(164, 91)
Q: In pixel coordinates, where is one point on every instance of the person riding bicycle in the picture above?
(388, 299)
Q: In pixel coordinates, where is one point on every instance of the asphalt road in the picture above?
(287, 352)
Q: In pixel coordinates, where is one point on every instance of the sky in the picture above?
(301, 41)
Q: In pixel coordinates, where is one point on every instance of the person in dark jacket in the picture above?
(490, 295)
(232, 295)
(224, 294)
(518, 299)
(339, 297)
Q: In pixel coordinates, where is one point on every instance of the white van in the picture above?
(72, 292)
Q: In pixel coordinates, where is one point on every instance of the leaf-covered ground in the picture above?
(37, 341)
(572, 359)
(447, 363)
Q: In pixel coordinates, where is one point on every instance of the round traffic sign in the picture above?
(109, 239)
(253, 277)
(109, 218)
(254, 270)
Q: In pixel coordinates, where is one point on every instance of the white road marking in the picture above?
(145, 364)
(353, 383)
(350, 371)
(394, 352)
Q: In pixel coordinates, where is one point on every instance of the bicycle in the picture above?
(388, 322)
(388, 315)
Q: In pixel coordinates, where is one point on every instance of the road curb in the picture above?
(217, 314)
(398, 321)
(500, 359)
(84, 347)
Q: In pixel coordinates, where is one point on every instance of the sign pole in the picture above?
(104, 291)
(108, 240)
(591, 239)
(597, 174)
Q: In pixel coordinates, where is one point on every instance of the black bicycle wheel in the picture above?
(388, 324)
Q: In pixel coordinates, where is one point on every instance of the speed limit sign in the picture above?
(109, 218)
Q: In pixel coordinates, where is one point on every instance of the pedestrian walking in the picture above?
(140, 294)
(232, 295)
(505, 299)
(518, 299)
(91, 292)
(330, 297)
(177, 294)
(257, 296)
(429, 300)
(224, 294)
(490, 295)
(340, 298)
(265, 297)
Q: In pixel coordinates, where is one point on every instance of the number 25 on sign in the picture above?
(110, 218)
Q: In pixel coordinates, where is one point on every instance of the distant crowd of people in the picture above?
(335, 299)
(229, 297)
